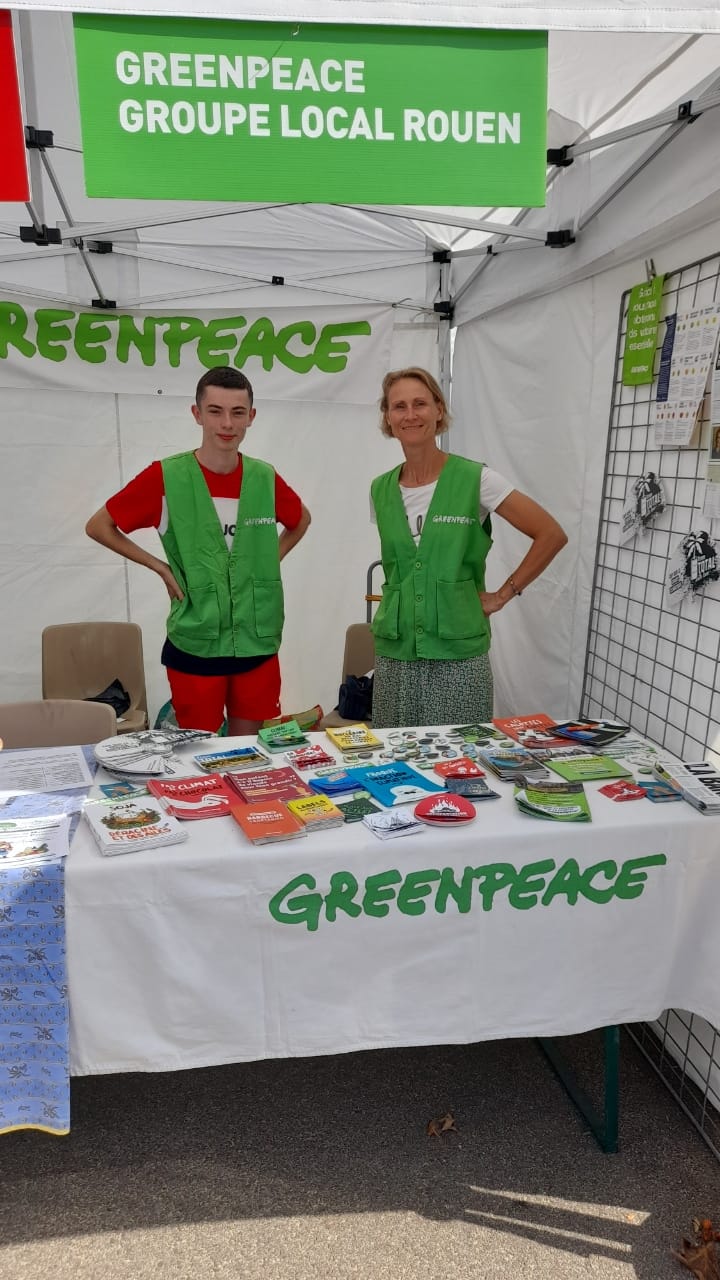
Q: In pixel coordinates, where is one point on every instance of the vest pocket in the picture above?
(269, 611)
(386, 621)
(460, 615)
(197, 616)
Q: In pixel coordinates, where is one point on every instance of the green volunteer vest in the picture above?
(430, 606)
(233, 603)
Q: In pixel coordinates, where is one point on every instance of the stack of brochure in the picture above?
(260, 785)
(266, 822)
(131, 824)
(399, 822)
(195, 797)
(282, 737)
(146, 753)
(698, 781)
(309, 758)
(557, 801)
(334, 782)
(234, 760)
(512, 764)
(355, 808)
(356, 737)
(474, 789)
(316, 812)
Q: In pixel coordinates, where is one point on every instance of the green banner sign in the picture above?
(179, 109)
(641, 336)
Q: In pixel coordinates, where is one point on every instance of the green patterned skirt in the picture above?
(432, 691)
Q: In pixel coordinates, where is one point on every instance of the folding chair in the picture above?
(55, 722)
(80, 659)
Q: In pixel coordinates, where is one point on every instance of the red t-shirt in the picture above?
(141, 505)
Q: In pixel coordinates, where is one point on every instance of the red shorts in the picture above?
(201, 702)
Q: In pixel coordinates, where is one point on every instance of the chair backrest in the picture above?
(80, 659)
(359, 656)
(57, 722)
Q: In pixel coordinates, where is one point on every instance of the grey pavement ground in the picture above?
(305, 1168)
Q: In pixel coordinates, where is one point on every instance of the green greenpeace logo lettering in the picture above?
(55, 333)
(536, 883)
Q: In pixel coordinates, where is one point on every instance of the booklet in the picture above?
(588, 768)
(261, 785)
(317, 812)
(27, 840)
(396, 783)
(356, 737)
(195, 797)
(131, 824)
(556, 801)
(268, 821)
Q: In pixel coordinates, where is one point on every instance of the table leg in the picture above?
(604, 1126)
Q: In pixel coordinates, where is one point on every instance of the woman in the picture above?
(431, 629)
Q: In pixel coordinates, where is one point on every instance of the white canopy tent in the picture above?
(535, 335)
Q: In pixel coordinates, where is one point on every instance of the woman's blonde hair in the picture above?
(421, 375)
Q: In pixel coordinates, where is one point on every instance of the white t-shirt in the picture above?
(494, 489)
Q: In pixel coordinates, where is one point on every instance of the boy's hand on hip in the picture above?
(168, 577)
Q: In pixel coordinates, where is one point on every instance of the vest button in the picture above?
(418, 564)
(418, 597)
(418, 628)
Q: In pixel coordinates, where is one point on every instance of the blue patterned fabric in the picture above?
(34, 1018)
(34, 1024)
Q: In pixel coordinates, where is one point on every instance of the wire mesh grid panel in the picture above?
(651, 666)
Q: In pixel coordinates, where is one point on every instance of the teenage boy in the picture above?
(216, 511)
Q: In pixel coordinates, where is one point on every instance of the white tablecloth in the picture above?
(175, 960)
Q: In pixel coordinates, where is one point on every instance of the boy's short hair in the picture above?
(223, 376)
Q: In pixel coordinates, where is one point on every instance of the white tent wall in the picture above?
(62, 454)
(532, 391)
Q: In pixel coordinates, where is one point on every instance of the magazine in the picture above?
(131, 824)
(261, 785)
(234, 760)
(592, 733)
(462, 767)
(196, 797)
(534, 733)
(396, 783)
(28, 840)
(555, 801)
(268, 821)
